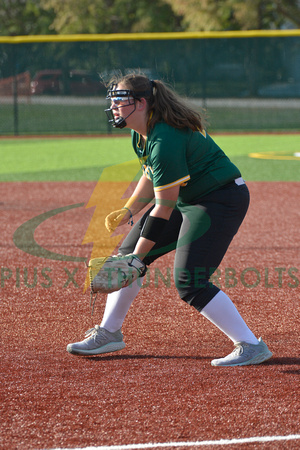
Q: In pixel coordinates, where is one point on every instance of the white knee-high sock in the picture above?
(222, 313)
(118, 304)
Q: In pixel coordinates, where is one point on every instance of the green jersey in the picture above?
(190, 159)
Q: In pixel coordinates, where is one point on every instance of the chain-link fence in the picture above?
(56, 84)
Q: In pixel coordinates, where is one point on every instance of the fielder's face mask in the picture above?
(121, 98)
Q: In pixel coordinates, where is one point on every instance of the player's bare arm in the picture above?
(165, 202)
(141, 197)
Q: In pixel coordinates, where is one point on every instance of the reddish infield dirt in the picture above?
(161, 387)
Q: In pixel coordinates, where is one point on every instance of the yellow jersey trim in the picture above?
(181, 182)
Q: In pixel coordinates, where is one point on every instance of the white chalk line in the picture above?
(191, 444)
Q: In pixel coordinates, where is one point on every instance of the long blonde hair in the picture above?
(163, 103)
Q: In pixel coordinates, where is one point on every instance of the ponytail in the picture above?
(167, 106)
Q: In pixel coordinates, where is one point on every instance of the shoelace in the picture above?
(91, 331)
(93, 299)
(96, 333)
(238, 349)
(93, 296)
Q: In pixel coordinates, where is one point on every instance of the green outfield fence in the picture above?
(246, 81)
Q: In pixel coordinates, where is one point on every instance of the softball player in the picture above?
(200, 201)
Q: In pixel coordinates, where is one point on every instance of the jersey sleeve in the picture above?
(168, 160)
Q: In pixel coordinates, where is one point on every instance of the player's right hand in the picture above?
(114, 219)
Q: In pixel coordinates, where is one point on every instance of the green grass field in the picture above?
(83, 159)
(53, 119)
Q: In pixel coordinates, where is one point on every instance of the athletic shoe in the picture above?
(245, 354)
(98, 340)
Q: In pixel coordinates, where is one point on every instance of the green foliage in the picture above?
(106, 16)
(211, 15)
(24, 17)
(32, 17)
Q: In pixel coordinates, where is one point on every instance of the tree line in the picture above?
(35, 17)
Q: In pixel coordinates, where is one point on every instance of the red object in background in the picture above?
(75, 82)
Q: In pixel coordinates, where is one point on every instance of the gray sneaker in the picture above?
(245, 354)
(98, 340)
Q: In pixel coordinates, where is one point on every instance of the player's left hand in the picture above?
(110, 274)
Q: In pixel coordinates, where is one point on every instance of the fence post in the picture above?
(15, 89)
(16, 105)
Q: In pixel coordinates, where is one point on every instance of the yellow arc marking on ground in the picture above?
(275, 155)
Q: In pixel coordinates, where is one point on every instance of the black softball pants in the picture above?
(201, 234)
